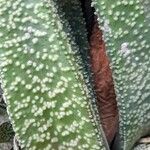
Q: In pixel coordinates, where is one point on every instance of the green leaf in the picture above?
(47, 97)
(127, 33)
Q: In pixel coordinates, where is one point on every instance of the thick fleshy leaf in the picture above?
(127, 33)
(46, 93)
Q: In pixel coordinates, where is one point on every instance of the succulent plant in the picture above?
(126, 32)
(47, 75)
(43, 80)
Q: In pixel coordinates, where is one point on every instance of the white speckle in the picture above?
(35, 40)
(106, 26)
(125, 49)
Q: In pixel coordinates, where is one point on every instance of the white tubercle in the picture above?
(125, 49)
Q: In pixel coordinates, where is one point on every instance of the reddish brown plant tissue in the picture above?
(103, 83)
